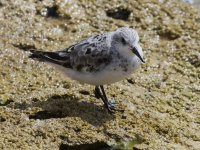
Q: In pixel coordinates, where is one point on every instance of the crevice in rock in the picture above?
(168, 35)
(131, 81)
(137, 19)
(2, 119)
(52, 12)
(84, 92)
(119, 13)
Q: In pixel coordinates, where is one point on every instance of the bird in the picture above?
(98, 60)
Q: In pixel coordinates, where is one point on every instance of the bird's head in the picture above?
(126, 41)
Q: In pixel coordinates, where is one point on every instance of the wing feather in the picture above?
(91, 55)
(88, 55)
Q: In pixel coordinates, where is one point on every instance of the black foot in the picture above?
(109, 106)
(100, 93)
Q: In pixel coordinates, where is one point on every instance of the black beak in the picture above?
(135, 51)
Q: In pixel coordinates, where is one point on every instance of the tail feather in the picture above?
(52, 57)
(37, 54)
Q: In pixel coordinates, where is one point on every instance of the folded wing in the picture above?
(89, 55)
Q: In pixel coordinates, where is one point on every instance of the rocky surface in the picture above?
(42, 109)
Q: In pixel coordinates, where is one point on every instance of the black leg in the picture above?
(100, 93)
(107, 104)
(97, 92)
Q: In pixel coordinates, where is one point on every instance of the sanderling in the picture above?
(98, 60)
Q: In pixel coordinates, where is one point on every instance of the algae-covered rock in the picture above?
(42, 109)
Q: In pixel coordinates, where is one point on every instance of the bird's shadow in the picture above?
(67, 106)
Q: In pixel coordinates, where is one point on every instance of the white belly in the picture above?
(107, 76)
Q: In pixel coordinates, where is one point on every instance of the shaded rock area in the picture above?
(42, 109)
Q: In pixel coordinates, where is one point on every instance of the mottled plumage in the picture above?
(98, 60)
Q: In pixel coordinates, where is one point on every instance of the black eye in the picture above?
(123, 41)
